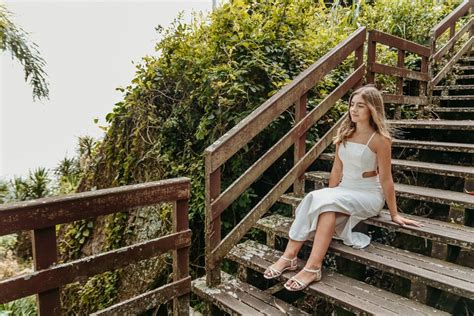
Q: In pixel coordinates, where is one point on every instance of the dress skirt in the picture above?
(360, 199)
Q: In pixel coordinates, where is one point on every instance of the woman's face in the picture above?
(359, 110)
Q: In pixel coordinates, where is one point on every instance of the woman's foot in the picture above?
(303, 278)
(282, 264)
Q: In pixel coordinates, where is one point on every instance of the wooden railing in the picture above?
(449, 23)
(218, 153)
(43, 215)
(403, 47)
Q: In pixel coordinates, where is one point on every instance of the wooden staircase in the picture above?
(432, 165)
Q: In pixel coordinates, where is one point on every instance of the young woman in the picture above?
(359, 185)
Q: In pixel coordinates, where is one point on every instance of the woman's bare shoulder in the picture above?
(381, 142)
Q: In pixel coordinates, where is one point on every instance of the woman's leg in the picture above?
(322, 239)
(291, 250)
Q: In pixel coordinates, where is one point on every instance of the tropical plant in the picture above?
(15, 40)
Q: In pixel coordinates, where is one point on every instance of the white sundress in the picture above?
(358, 197)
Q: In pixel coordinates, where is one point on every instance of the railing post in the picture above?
(300, 144)
(425, 86)
(370, 59)
(180, 256)
(213, 227)
(45, 254)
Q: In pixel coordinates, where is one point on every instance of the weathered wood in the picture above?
(50, 211)
(213, 227)
(455, 97)
(399, 85)
(433, 272)
(455, 87)
(45, 254)
(353, 295)
(412, 165)
(244, 131)
(291, 137)
(457, 213)
(398, 72)
(61, 274)
(450, 44)
(466, 125)
(143, 302)
(451, 18)
(181, 257)
(444, 71)
(404, 99)
(300, 143)
(400, 43)
(459, 77)
(431, 145)
(271, 197)
(237, 297)
(371, 58)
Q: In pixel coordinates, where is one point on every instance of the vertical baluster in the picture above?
(44, 255)
(399, 87)
(371, 58)
(300, 144)
(424, 87)
(213, 227)
(358, 61)
(181, 256)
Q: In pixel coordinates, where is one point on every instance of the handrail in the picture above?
(42, 215)
(449, 22)
(403, 46)
(219, 152)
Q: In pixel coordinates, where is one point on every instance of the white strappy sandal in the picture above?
(274, 273)
(300, 284)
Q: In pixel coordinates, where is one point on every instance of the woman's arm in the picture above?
(384, 159)
(336, 171)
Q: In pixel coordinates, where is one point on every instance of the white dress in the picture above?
(358, 197)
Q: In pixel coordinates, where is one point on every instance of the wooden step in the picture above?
(438, 146)
(236, 297)
(455, 87)
(467, 59)
(418, 166)
(433, 272)
(415, 193)
(454, 97)
(453, 110)
(458, 77)
(466, 125)
(464, 68)
(353, 295)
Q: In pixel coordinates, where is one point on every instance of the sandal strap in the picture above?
(300, 284)
(312, 270)
(274, 271)
(288, 259)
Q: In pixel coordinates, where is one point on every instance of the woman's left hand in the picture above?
(402, 221)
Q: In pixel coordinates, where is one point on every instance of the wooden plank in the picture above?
(451, 19)
(271, 197)
(398, 72)
(223, 300)
(433, 272)
(455, 87)
(61, 274)
(466, 125)
(440, 146)
(278, 149)
(434, 195)
(244, 131)
(50, 211)
(405, 99)
(416, 166)
(143, 302)
(462, 51)
(400, 43)
(45, 254)
(440, 54)
(453, 110)
(353, 295)
(455, 97)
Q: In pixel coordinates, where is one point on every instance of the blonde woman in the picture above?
(359, 185)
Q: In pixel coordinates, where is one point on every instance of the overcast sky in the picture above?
(89, 47)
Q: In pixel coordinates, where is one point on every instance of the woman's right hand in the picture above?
(403, 221)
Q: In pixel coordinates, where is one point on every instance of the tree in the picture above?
(14, 39)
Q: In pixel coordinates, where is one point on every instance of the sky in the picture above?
(89, 48)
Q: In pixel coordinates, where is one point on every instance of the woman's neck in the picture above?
(364, 128)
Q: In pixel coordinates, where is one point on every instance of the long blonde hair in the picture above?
(373, 97)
